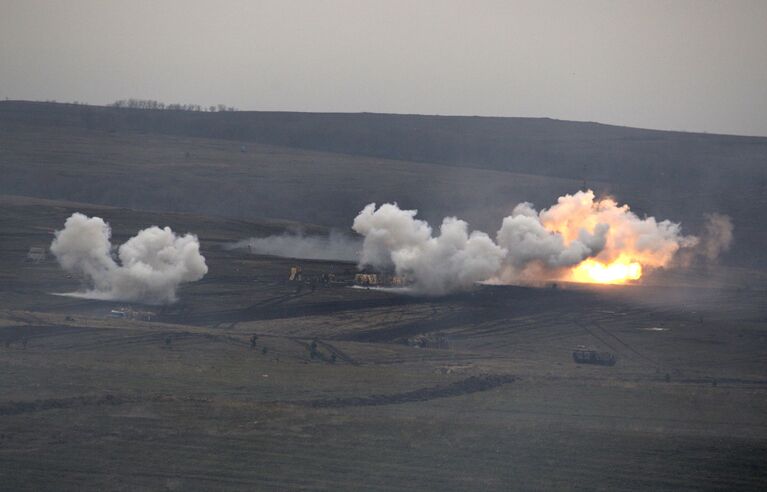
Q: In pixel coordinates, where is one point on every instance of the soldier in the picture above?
(313, 349)
(333, 359)
(168, 341)
(253, 341)
(264, 350)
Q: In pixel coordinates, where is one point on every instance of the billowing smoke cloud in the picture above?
(453, 260)
(646, 240)
(149, 266)
(335, 246)
(581, 227)
(527, 241)
(580, 238)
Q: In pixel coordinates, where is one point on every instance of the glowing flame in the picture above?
(632, 243)
(619, 271)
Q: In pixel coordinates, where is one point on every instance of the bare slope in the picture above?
(91, 403)
(169, 173)
(322, 168)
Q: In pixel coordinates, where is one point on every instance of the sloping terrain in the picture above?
(477, 390)
(323, 168)
(351, 388)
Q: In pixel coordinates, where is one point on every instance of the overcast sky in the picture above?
(686, 65)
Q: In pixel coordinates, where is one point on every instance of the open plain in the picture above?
(351, 388)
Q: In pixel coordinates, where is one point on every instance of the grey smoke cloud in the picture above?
(334, 246)
(717, 236)
(148, 268)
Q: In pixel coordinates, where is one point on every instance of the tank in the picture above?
(585, 356)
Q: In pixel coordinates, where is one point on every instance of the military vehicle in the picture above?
(587, 356)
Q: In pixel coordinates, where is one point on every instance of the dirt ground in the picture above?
(476, 391)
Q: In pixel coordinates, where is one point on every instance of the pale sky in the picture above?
(684, 65)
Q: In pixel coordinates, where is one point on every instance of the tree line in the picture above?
(152, 104)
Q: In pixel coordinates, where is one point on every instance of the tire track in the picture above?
(473, 384)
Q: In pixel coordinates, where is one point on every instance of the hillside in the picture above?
(252, 380)
(322, 168)
(402, 392)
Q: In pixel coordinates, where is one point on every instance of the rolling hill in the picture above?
(323, 168)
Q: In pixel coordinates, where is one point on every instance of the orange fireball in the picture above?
(632, 243)
(619, 271)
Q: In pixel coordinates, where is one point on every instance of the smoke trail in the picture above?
(335, 246)
(717, 236)
(151, 264)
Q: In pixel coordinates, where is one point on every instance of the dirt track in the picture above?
(467, 386)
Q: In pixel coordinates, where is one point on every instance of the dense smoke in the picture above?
(453, 260)
(148, 267)
(527, 241)
(580, 238)
(335, 246)
(617, 241)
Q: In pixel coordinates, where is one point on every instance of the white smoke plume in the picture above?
(149, 266)
(580, 238)
(453, 260)
(295, 244)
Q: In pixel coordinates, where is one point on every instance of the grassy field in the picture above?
(492, 401)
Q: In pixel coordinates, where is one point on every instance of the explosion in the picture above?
(148, 268)
(579, 239)
(619, 271)
(631, 244)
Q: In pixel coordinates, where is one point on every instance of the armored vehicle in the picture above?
(586, 356)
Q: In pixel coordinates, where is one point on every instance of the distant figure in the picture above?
(253, 340)
(264, 350)
(168, 341)
(313, 349)
(668, 378)
(333, 359)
